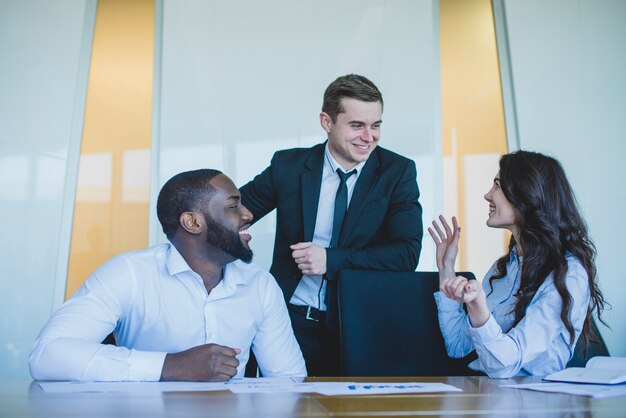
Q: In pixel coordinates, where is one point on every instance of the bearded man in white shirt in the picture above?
(187, 310)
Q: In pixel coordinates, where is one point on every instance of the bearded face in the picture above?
(227, 240)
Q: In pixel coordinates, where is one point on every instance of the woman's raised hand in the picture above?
(456, 287)
(447, 242)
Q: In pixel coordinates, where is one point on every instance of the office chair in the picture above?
(389, 325)
(596, 347)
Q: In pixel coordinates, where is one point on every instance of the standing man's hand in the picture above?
(310, 258)
(204, 363)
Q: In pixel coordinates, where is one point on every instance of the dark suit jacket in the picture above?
(382, 229)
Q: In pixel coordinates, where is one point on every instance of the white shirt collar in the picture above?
(333, 165)
(176, 264)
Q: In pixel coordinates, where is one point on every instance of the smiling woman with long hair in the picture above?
(536, 300)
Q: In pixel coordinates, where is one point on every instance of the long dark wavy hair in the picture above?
(549, 226)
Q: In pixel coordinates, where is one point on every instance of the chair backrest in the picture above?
(389, 325)
(596, 347)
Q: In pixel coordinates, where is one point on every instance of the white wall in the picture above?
(243, 79)
(568, 63)
(44, 57)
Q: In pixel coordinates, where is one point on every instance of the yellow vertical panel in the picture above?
(470, 88)
(111, 213)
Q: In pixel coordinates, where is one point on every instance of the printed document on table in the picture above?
(383, 388)
(270, 385)
(593, 390)
(158, 387)
(600, 370)
(130, 387)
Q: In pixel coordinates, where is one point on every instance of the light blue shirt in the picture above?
(311, 290)
(537, 345)
(158, 305)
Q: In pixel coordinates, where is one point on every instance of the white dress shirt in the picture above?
(156, 305)
(538, 344)
(311, 290)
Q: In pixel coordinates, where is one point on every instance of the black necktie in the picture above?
(341, 205)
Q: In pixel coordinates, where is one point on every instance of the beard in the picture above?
(226, 240)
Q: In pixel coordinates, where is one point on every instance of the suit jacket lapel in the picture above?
(359, 196)
(311, 183)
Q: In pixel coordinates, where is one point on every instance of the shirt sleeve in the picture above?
(453, 324)
(69, 345)
(503, 355)
(274, 344)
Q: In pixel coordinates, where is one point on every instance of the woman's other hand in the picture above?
(476, 303)
(470, 293)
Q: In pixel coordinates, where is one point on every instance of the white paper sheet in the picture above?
(382, 388)
(130, 387)
(595, 391)
(270, 385)
(248, 385)
(599, 370)
(587, 375)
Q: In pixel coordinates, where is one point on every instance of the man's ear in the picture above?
(191, 222)
(325, 121)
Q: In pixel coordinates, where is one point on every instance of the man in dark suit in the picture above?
(342, 204)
